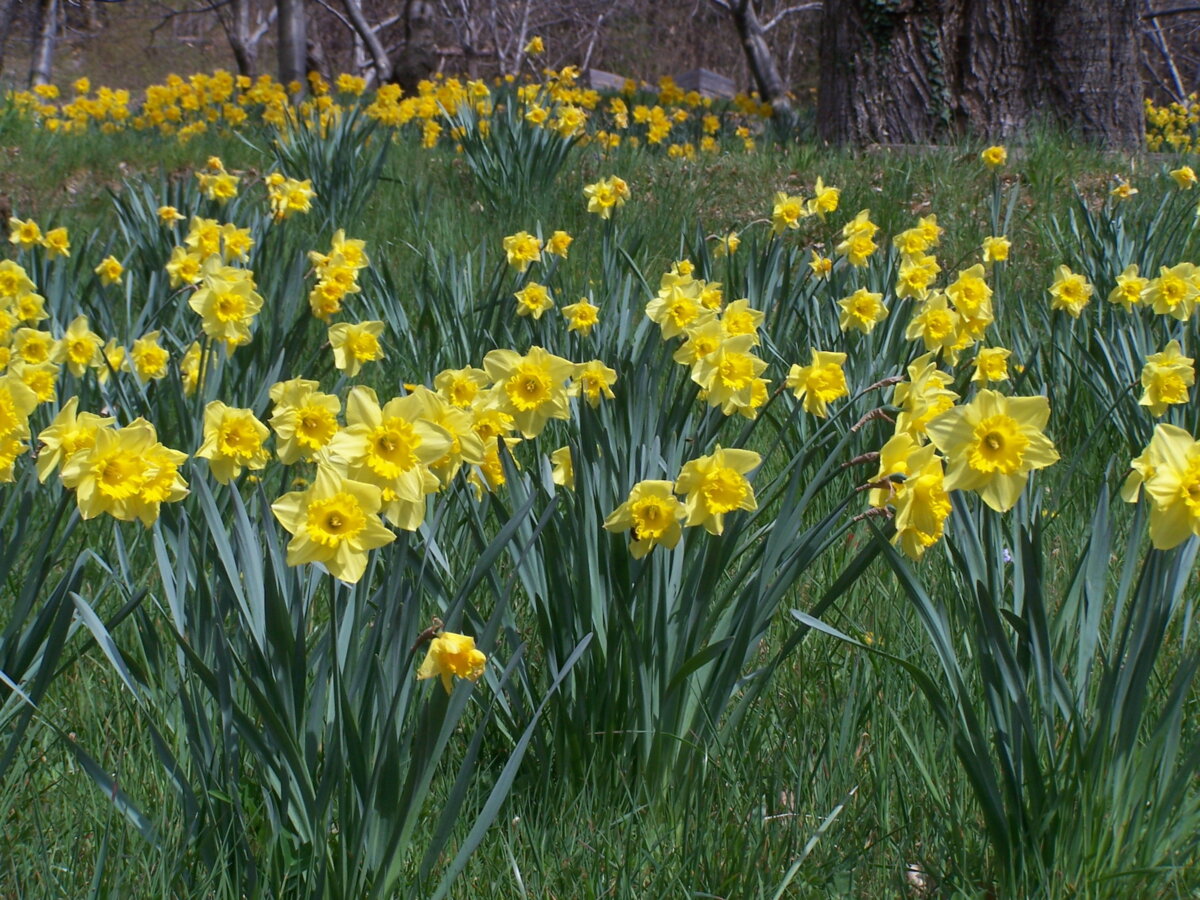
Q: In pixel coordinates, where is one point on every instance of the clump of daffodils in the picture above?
(718, 339)
(216, 183)
(1168, 472)
(712, 487)
(337, 274)
(288, 196)
(124, 472)
(606, 195)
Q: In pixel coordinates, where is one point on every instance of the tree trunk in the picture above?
(1091, 57)
(417, 58)
(293, 43)
(989, 78)
(915, 71)
(41, 65)
(759, 57)
(8, 12)
(368, 35)
(881, 77)
(237, 30)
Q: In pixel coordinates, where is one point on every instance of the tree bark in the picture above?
(41, 65)
(1090, 54)
(293, 43)
(881, 79)
(915, 71)
(8, 12)
(989, 75)
(417, 58)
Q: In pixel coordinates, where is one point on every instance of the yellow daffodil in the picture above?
(304, 419)
(533, 300)
(923, 396)
(715, 485)
(71, 432)
(677, 305)
(80, 346)
(1173, 293)
(333, 523)
(453, 655)
(354, 344)
(126, 473)
(392, 446)
(1185, 177)
(24, 234)
(819, 383)
(530, 388)
(1129, 289)
(582, 317)
(14, 281)
(184, 267)
(917, 272)
(862, 311)
(995, 248)
(727, 245)
(606, 195)
(652, 513)
(1123, 191)
(233, 440)
(825, 199)
(787, 212)
(923, 506)
(563, 468)
(559, 243)
(1166, 378)
(110, 270)
(1169, 470)
(289, 196)
(592, 381)
(1070, 291)
(227, 304)
(32, 346)
(521, 249)
(17, 401)
(57, 243)
(729, 374)
(991, 366)
(992, 444)
(858, 239)
(994, 157)
(460, 387)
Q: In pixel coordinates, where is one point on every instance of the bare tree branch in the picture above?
(172, 13)
(338, 14)
(370, 37)
(783, 13)
(1177, 11)
(1160, 42)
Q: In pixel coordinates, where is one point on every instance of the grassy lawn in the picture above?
(1012, 714)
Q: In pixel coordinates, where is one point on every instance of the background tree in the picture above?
(914, 71)
(246, 23)
(760, 58)
(293, 40)
(45, 37)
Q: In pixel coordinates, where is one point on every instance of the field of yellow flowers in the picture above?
(510, 490)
